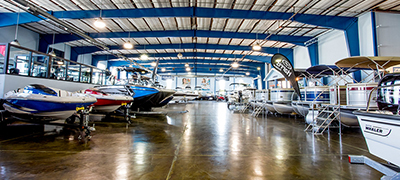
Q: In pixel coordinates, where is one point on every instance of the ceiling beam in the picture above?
(336, 22)
(269, 50)
(63, 38)
(266, 59)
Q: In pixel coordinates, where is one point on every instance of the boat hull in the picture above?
(381, 132)
(270, 107)
(283, 107)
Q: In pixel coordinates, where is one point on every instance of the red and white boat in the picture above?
(107, 102)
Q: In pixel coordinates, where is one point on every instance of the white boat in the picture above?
(42, 101)
(382, 133)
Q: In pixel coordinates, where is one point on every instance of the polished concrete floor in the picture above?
(208, 142)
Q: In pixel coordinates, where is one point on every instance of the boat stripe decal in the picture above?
(380, 122)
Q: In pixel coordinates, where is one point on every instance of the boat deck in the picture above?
(208, 142)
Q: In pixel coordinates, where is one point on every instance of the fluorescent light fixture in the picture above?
(256, 47)
(180, 55)
(235, 65)
(186, 65)
(60, 62)
(99, 23)
(247, 73)
(128, 45)
(163, 69)
(188, 69)
(221, 70)
(153, 64)
(258, 68)
(144, 57)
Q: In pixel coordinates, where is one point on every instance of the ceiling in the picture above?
(209, 34)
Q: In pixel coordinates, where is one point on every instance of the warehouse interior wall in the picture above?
(366, 34)
(387, 33)
(301, 58)
(26, 37)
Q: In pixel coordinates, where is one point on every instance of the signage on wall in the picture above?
(165, 77)
(283, 65)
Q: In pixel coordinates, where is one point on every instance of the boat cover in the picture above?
(328, 70)
(370, 62)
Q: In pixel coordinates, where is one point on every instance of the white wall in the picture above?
(301, 57)
(12, 82)
(64, 48)
(87, 59)
(365, 35)
(26, 37)
(388, 33)
(332, 47)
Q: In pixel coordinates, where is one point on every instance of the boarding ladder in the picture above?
(245, 107)
(259, 109)
(323, 120)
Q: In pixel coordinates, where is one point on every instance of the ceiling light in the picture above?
(153, 64)
(60, 62)
(99, 23)
(235, 65)
(128, 45)
(188, 69)
(258, 68)
(143, 72)
(163, 69)
(256, 47)
(144, 57)
(180, 55)
(221, 70)
(189, 72)
(15, 42)
(186, 65)
(247, 73)
(52, 53)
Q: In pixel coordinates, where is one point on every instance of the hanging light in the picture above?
(52, 53)
(188, 69)
(235, 65)
(153, 64)
(163, 69)
(143, 72)
(99, 22)
(247, 73)
(128, 45)
(221, 70)
(144, 57)
(186, 65)
(15, 42)
(60, 62)
(256, 47)
(258, 68)
(180, 55)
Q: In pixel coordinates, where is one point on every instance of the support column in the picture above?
(313, 53)
(352, 38)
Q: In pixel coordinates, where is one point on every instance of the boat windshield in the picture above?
(39, 89)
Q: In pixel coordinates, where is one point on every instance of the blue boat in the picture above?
(42, 101)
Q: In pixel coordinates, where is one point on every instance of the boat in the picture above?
(381, 129)
(281, 99)
(145, 97)
(107, 102)
(184, 95)
(42, 101)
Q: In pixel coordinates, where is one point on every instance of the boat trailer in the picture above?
(82, 114)
(390, 172)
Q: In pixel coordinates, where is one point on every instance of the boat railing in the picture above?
(22, 61)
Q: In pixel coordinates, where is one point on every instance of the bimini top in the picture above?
(371, 62)
(328, 70)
